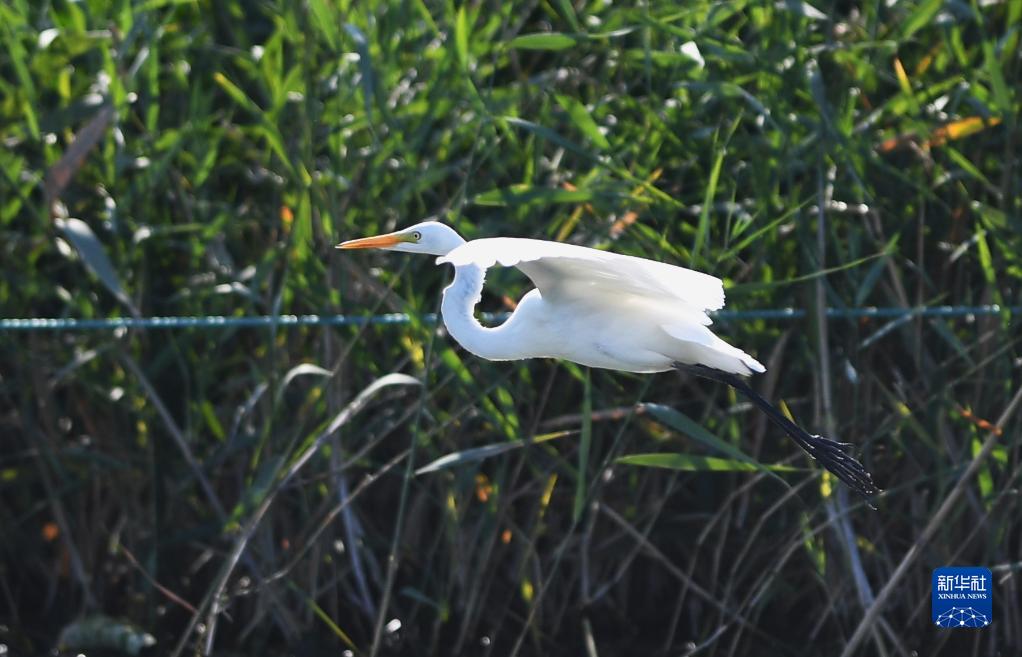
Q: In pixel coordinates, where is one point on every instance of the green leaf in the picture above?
(212, 422)
(325, 21)
(683, 424)
(870, 280)
(696, 463)
(703, 231)
(461, 37)
(235, 92)
(967, 166)
(755, 287)
(91, 250)
(476, 454)
(500, 414)
(986, 260)
(583, 120)
(365, 66)
(525, 194)
(544, 41)
(1001, 93)
(921, 17)
(566, 10)
(803, 9)
(549, 135)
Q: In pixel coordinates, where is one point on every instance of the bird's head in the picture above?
(431, 237)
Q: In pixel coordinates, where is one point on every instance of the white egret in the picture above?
(600, 309)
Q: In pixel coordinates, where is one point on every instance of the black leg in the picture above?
(831, 454)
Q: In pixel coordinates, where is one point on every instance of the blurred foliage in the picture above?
(167, 157)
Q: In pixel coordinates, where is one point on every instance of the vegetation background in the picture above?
(250, 491)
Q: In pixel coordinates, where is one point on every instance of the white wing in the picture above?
(569, 271)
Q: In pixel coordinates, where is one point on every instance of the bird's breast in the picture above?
(590, 334)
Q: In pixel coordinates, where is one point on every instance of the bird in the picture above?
(604, 310)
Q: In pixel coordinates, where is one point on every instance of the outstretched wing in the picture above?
(563, 271)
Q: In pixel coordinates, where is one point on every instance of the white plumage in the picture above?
(562, 269)
(599, 309)
(596, 308)
(591, 307)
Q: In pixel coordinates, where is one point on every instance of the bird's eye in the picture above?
(416, 236)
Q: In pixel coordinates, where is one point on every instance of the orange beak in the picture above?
(378, 242)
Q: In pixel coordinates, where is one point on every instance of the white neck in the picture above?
(460, 298)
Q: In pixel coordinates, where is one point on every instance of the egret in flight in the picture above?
(601, 309)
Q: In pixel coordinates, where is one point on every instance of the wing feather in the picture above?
(560, 270)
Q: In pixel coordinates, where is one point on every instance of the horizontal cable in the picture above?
(219, 322)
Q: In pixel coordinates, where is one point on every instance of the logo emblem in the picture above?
(962, 597)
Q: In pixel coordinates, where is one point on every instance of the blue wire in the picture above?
(220, 322)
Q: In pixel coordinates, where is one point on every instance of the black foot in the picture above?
(833, 456)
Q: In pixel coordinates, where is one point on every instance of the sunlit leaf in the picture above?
(580, 115)
(525, 194)
(91, 250)
(476, 454)
(697, 463)
(544, 41)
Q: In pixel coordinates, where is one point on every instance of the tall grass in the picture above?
(252, 490)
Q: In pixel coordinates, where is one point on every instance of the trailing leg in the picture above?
(831, 454)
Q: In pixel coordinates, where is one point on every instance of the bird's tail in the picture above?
(831, 454)
(711, 350)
